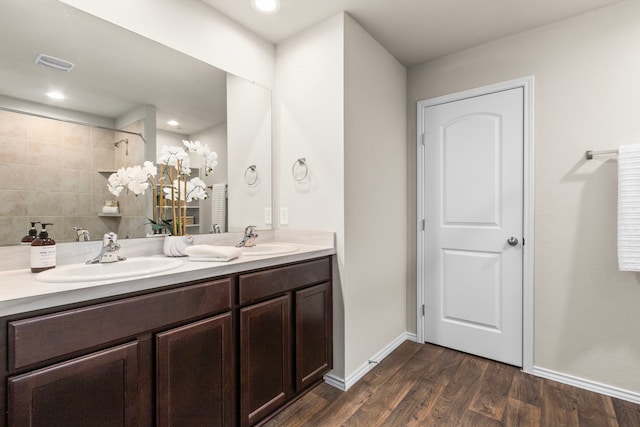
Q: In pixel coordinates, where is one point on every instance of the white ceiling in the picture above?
(115, 70)
(414, 31)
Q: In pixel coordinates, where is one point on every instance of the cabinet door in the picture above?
(265, 360)
(195, 374)
(100, 389)
(313, 329)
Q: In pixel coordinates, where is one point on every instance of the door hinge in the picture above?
(423, 309)
(523, 241)
(423, 225)
(423, 138)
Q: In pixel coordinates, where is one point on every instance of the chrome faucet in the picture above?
(249, 236)
(82, 234)
(109, 251)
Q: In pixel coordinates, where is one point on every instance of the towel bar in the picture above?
(590, 153)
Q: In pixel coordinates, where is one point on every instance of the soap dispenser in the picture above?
(32, 235)
(43, 251)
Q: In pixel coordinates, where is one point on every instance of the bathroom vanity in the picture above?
(221, 347)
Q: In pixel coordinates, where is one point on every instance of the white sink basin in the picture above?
(132, 267)
(269, 249)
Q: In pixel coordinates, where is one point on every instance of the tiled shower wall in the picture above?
(49, 173)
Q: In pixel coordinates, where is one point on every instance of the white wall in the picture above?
(375, 196)
(309, 116)
(586, 92)
(249, 143)
(194, 28)
(341, 104)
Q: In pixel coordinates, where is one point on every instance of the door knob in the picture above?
(512, 241)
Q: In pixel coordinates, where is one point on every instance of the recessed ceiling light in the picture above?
(172, 123)
(55, 95)
(266, 6)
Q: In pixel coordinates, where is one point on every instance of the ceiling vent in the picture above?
(53, 62)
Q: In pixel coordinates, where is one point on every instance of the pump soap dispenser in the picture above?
(43, 251)
(33, 234)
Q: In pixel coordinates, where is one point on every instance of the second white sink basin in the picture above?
(131, 267)
(269, 249)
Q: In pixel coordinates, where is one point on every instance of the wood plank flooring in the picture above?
(427, 385)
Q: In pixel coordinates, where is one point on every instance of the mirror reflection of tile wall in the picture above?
(49, 173)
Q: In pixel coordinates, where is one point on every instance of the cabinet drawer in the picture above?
(263, 284)
(44, 337)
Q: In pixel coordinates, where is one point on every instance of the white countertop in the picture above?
(20, 292)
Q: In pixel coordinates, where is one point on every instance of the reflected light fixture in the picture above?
(54, 94)
(173, 123)
(266, 6)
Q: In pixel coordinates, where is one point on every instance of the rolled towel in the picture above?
(212, 253)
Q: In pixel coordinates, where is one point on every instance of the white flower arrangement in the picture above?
(173, 178)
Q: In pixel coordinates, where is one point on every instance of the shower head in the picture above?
(126, 141)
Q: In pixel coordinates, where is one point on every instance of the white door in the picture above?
(473, 207)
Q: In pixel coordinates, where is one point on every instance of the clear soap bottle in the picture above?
(43, 251)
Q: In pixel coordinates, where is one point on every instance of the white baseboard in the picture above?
(605, 389)
(345, 384)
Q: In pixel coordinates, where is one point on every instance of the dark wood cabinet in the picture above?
(313, 334)
(285, 335)
(194, 381)
(222, 352)
(100, 389)
(138, 361)
(265, 358)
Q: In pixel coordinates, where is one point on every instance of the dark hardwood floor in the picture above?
(427, 385)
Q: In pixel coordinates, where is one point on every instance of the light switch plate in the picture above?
(267, 216)
(284, 216)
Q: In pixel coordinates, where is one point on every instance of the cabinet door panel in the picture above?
(313, 334)
(195, 374)
(100, 389)
(265, 361)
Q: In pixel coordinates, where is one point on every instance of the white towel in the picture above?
(212, 253)
(219, 206)
(629, 207)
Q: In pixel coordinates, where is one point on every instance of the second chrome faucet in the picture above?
(249, 238)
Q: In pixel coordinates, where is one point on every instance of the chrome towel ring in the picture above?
(300, 170)
(251, 175)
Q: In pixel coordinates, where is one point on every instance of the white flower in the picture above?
(210, 157)
(196, 190)
(210, 162)
(171, 155)
(137, 180)
(134, 179)
(117, 181)
(150, 168)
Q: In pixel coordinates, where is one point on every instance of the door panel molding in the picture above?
(527, 84)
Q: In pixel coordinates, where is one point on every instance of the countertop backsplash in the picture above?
(18, 257)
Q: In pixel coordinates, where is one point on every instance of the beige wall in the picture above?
(375, 196)
(586, 97)
(308, 122)
(341, 104)
(49, 173)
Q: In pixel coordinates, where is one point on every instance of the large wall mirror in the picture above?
(56, 154)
